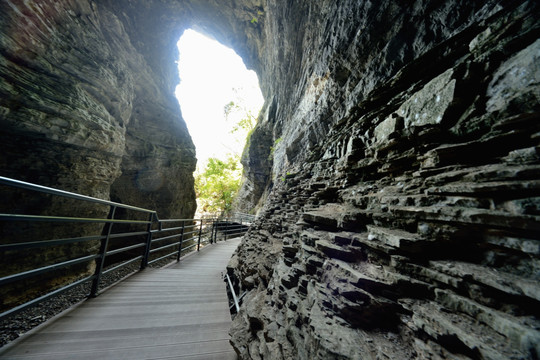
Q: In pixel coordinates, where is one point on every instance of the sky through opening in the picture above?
(212, 75)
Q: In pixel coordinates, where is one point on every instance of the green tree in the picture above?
(218, 184)
(247, 120)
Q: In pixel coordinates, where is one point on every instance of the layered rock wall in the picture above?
(82, 107)
(85, 108)
(402, 217)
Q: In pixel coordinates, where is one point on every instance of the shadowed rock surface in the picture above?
(395, 163)
(401, 216)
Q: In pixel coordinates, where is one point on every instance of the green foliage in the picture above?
(247, 121)
(218, 184)
(273, 148)
(255, 19)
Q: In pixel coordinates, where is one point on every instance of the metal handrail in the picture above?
(235, 299)
(242, 216)
(188, 234)
(52, 191)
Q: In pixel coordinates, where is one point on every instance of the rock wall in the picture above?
(402, 218)
(84, 107)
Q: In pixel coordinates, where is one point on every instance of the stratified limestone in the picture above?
(402, 220)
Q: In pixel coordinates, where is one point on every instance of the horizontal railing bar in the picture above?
(52, 191)
(163, 257)
(16, 217)
(26, 274)
(121, 235)
(44, 243)
(121, 250)
(236, 234)
(191, 238)
(165, 238)
(21, 307)
(176, 220)
(191, 232)
(167, 229)
(122, 265)
(35, 244)
(163, 247)
(189, 247)
(233, 231)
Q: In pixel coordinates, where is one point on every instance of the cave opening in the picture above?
(220, 100)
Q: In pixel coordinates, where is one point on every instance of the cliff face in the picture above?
(84, 110)
(401, 220)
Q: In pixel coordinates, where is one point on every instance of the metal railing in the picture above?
(230, 227)
(236, 302)
(242, 217)
(140, 237)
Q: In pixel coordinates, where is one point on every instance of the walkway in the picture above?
(180, 312)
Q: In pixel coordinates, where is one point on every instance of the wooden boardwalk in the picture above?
(180, 312)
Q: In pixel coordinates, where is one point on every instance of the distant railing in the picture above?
(239, 216)
(153, 241)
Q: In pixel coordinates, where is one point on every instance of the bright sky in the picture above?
(209, 75)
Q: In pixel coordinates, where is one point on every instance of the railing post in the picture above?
(226, 228)
(144, 261)
(200, 234)
(241, 229)
(214, 234)
(181, 238)
(101, 259)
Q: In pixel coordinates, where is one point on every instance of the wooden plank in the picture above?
(180, 312)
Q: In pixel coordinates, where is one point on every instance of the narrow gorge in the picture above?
(394, 169)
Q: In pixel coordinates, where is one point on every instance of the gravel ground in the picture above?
(18, 324)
